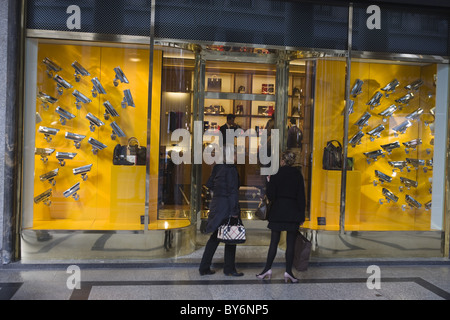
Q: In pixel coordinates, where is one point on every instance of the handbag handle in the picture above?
(131, 140)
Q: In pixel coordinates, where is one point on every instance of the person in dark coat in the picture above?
(224, 183)
(286, 191)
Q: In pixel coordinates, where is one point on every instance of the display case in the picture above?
(395, 145)
(244, 89)
(174, 181)
(87, 133)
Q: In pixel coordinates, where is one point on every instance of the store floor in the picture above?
(178, 279)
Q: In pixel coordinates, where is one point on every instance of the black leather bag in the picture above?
(214, 84)
(302, 252)
(332, 156)
(263, 209)
(120, 156)
(131, 154)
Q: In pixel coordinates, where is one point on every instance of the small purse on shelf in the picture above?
(231, 233)
(214, 84)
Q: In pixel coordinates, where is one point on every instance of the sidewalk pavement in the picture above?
(179, 279)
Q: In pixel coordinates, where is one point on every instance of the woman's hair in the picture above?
(288, 157)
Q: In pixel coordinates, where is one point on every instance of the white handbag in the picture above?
(231, 234)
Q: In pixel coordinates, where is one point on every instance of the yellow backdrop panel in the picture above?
(113, 197)
(363, 209)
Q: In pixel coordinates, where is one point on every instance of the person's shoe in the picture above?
(288, 277)
(234, 274)
(207, 272)
(267, 274)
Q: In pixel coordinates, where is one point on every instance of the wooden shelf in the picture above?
(239, 96)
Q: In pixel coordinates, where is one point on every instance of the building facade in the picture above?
(110, 111)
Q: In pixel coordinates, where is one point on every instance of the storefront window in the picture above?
(328, 128)
(102, 112)
(300, 117)
(391, 146)
(240, 95)
(174, 183)
(86, 136)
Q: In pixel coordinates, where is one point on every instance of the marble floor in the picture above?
(179, 280)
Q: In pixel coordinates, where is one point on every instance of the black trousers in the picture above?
(290, 249)
(210, 249)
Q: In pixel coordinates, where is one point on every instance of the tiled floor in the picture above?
(179, 280)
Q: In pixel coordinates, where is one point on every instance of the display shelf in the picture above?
(240, 91)
(239, 96)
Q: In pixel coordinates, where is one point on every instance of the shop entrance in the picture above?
(252, 89)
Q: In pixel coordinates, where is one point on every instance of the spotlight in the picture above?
(76, 138)
(49, 176)
(79, 71)
(95, 122)
(83, 171)
(48, 132)
(98, 88)
(119, 76)
(127, 99)
(44, 153)
(80, 98)
(96, 145)
(62, 156)
(52, 67)
(64, 115)
(109, 110)
(46, 99)
(72, 191)
(62, 84)
(44, 197)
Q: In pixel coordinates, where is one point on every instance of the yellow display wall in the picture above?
(328, 125)
(113, 197)
(363, 208)
(394, 216)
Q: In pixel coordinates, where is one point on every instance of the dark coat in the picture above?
(224, 183)
(286, 191)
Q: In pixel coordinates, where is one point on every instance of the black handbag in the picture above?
(131, 154)
(214, 84)
(332, 156)
(120, 156)
(263, 209)
(302, 252)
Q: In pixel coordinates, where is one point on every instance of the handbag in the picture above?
(214, 84)
(263, 208)
(302, 252)
(120, 156)
(231, 234)
(332, 156)
(131, 154)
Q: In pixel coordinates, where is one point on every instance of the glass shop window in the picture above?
(391, 146)
(85, 136)
(174, 179)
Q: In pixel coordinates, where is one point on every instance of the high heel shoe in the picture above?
(287, 277)
(267, 274)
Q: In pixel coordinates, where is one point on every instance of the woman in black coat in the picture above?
(286, 191)
(224, 183)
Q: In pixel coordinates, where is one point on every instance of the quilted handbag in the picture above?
(231, 234)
